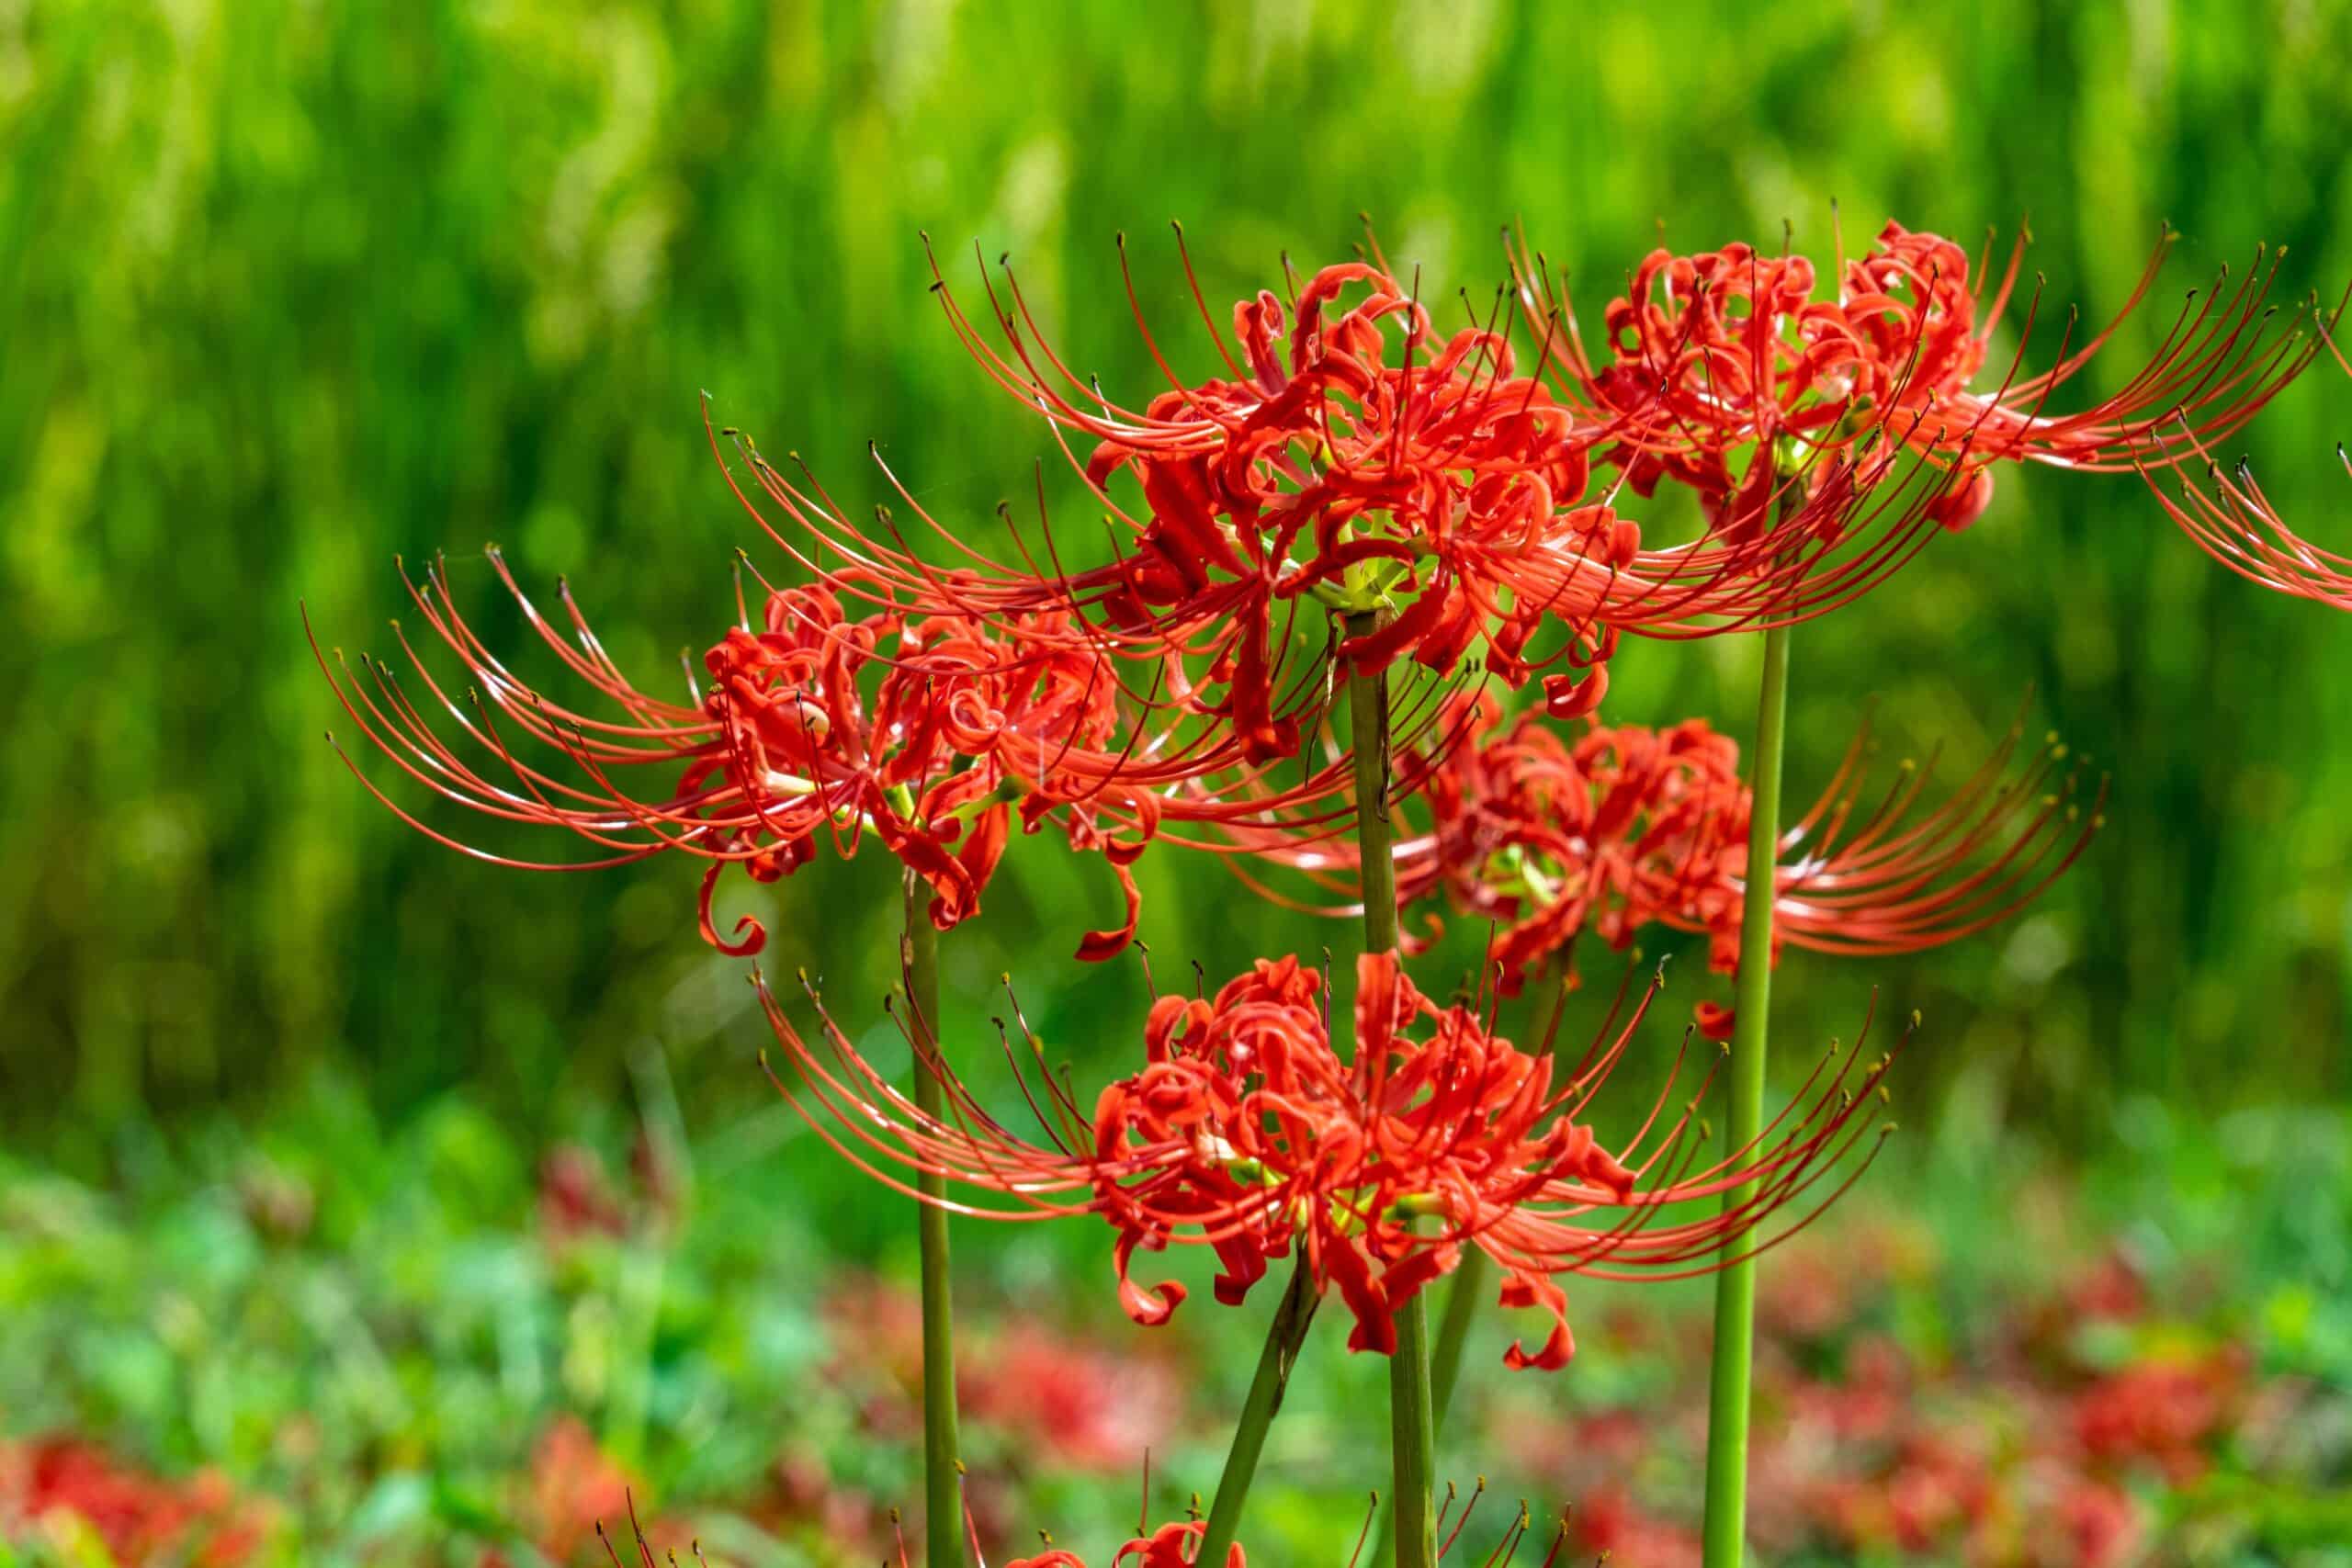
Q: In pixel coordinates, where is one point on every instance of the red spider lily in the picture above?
(792, 745)
(1548, 837)
(927, 733)
(1725, 351)
(1356, 457)
(1245, 1131)
(1352, 453)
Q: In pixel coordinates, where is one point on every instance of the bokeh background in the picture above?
(288, 291)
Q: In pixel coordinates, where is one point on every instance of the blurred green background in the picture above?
(288, 288)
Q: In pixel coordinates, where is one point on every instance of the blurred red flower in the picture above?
(572, 1490)
(140, 1517)
(2159, 1413)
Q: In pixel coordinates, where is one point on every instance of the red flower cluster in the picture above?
(1354, 487)
(1547, 837)
(1882, 1459)
(1339, 474)
(572, 1487)
(1422, 484)
(1616, 829)
(2160, 1413)
(1033, 1387)
(140, 1518)
(1728, 352)
(819, 727)
(2014, 1449)
(1246, 1131)
(1863, 1468)
(1354, 454)
(1359, 491)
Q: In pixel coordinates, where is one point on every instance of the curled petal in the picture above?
(1566, 697)
(753, 935)
(1533, 1290)
(1149, 1305)
(1096, 946)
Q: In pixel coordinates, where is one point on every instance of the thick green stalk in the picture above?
(1376, 834)
(1729, 1386)
(1284, 1336)
(1412, 1434)
(1288, 1330)
(1412, 1420)
(942, 1489)
(1473, 1278)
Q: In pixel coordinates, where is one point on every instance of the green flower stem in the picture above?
(1284, 1336)
(1413, 1431)
(942, 1488)
(1411, 1409)
(1376, 834)
(1412, 1434)
(1473, 1279)
(1729, 1385)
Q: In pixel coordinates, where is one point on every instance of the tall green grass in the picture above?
(286, 288)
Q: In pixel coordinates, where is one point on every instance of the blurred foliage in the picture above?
(288, 288)
(371, 1329)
